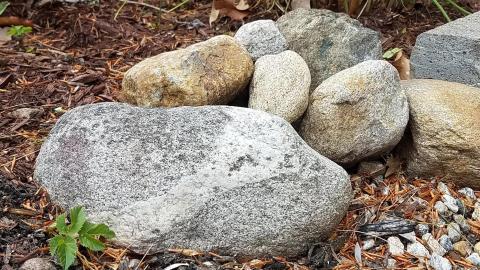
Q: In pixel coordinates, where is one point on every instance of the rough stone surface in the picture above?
(229, 179)
(449, 52)
(454, 231)
(463, 248)
(395, 246)
(371, 168)
(422, 229)
(446, 242)
(329, 42)
(474, 258)
(442, 209)
(210, 72)
(280, 85)
(438, 262)
(468, 192)
(433, 244)
(38, 264)
(450, 202)
(418, 250)
(462, 222)
(261, 38)
(444, 131)
(358, 113)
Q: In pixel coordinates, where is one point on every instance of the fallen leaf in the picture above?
(258, 264)
(402, 64)
(236, 10)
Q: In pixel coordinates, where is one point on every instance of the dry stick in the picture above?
(143, 258)
(144, 4)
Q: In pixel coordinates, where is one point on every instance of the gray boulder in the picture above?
(228, 179)
(280, 85)
(328, 41)
(261, 38)
(358, 113)
(38, 264)
(450, 52)
(444, 131)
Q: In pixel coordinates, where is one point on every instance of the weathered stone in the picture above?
(462, 247)
(329, 42)
(450, 202)
(210, 72)
(422, 229)
(454, 232)
(438, 262)
(446, 242)
(476, 211)
(395, 246)
(371, 168)
(280, 85)
(468, 192)
(442, 209)
(443, 188)
(444, 134)
(234, 180)
(433, 244)
(462, 222)
(261, 38)
(38, 264)
(368, 244)
(418, 250)
(474, 258)
(358, 113)
(449, 52)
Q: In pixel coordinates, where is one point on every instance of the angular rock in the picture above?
(433, 244)
(261, 38)
(443, 188)
(449, 52)
(358, 113)
(476, 211)
(438, 262)
(474, 258)
(280, 85)
(418, 250)
(210, 72)
(463, 248)
(38, 264)
(329, 42)
(442, 209)
(468, 192)
(450, 202)
(371, 168)
(395, 246)
(446, 243)
(454, 232)
(444, 131)
(229, 179)
(462, 222)
(476, 248)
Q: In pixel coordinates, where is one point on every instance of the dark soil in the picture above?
(77, 55)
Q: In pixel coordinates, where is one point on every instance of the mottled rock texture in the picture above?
(228, 179)
(328, 41)
(444, 131)
(280, 85)
(358, 113)
(210, 72)
(450, 52)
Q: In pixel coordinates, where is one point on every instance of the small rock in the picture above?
(134, 263)
(368, 244)
(38, 264)
(422, 229)
(446, 242)
(26, 113)
(261, 38)
(420, 204)
(450, 202)
(461, 207)
(476, 248)
(371, 168)
(409, 236)
(443, 188)
(468, 192)
(391, 263)
(433, 244)
(438, 262)
(454, 232)
(462, 247)
(474, 258)
(460, 220)
(476, 211)
(395, 246)
(442, 209)
(418, 250)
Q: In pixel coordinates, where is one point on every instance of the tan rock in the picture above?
(444, 132)
(210, 72)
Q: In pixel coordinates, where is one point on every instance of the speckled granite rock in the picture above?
(210, 72)
(234, 180)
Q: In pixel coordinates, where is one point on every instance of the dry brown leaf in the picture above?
(236, 10)
(258, 264)
(185, 252)
(402, 64)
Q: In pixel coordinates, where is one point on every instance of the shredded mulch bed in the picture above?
(77, 55)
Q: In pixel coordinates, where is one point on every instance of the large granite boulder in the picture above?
(280, 85)
(228, 179)
(444, 131)
(449, 52)
(261, 38)
(210, 72)
(328, 41)
(358, 113)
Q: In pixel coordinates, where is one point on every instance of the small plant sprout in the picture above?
(78, 232)
(19, 31)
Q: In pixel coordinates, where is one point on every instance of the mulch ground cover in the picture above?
(77, 55)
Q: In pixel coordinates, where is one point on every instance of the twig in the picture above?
(144, 4)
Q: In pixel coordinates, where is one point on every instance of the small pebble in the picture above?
(445, 242)
(438, 262)
(454, 232)
(385, 191)
(391, 263)
(476, 211)
(460, 220)
(450, 202)
(433, 244)
(461, 207)
(409, 236)
(422, 229)
(474, 258)
(368, 244)
(476, 248)
(462, 247)
(38, 264)
(442, 209)
(395, 246)
(468, 192)
(418, 250)
(443, 188)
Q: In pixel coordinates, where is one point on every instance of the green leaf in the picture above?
(389, 54)
(61, 224)
(65, 248)
(97, 230)
(19, 30)
(77, 219)
(91, 242)
(3, 6)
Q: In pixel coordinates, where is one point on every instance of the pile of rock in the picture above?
(242, 181)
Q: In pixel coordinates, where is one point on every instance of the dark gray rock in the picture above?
(228, 179)
(328, 41)
(450, 52)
